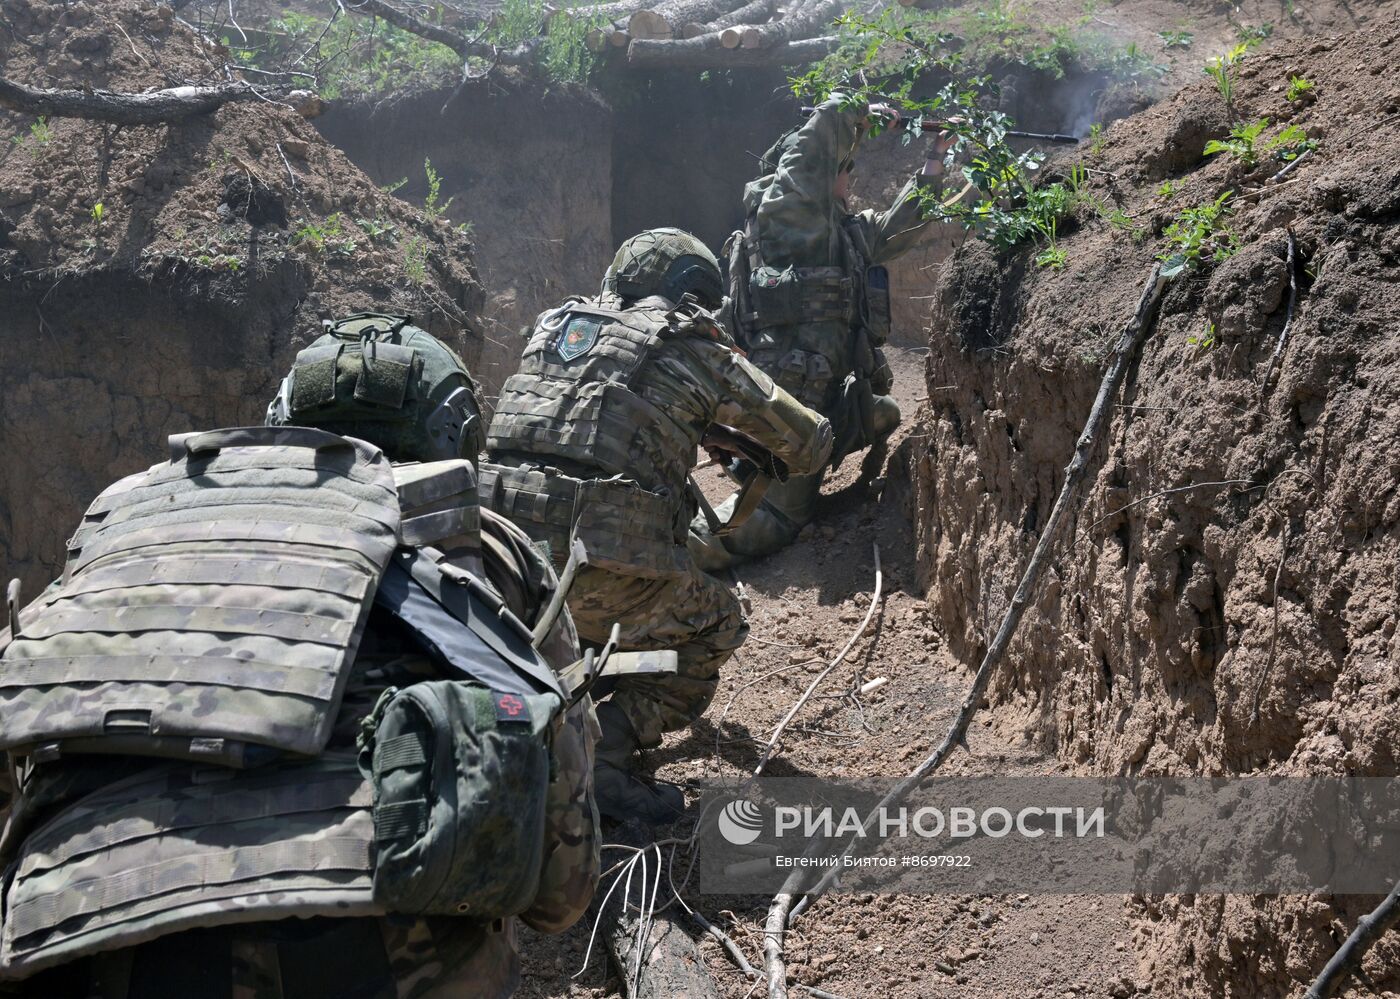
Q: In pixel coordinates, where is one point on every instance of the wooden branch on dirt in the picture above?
(777, 735)
(152, 108)
(465, 47)
(1371, 926)
(708, 52)
(774, 928)
(667, 963)
(1288, 317)
(1133, 336)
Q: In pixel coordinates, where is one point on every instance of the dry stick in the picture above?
(1133, 336)
(1273, 642)
(1372, 925)
(1164, 492)
(773, 929)
(1288, 317)
(811, 687)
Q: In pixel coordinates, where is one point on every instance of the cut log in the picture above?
(677, 16)
(748, 37)
(598, 39)
(802, 21)
(708, 52)
(753, 12)
(610, 12)
(619, 39)
(648, 24)
(152, 108)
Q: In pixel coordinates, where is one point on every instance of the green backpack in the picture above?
(461, 776)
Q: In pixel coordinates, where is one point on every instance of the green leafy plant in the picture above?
(1253, 34)
(327, 237)
(1167, 189)
(1052, 257)
(433, 206)
(415, 260)
(1299, 87)
(391, 188)
(564, 53)
(377, 228)
(1205, 340)
(1221, 69)
(1245, 145)
(1097, 140)
(97, 213)
(37, 137)
(1199, 234)
(1176, 39)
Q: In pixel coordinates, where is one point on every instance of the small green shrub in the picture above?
(1299, 87)
(1199, 234)
(1205, 340)
(1221, 69)
(1245, 146)
(1176, 39)
(1167, 189)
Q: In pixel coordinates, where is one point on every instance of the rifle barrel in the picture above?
(928, 125)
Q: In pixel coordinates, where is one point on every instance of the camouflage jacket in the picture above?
(797, 218)
(794, 220)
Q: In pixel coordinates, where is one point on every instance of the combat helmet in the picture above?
(376, 377)
(665, 262)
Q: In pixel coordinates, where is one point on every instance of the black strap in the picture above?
(493, 648)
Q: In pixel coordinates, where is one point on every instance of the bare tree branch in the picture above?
(465, 47)
(153, 108)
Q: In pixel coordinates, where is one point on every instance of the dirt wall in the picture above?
(1226, 597)
(159, 279)
(527, 169)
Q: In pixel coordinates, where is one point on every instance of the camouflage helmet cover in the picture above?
(376, 377)
(665, 262)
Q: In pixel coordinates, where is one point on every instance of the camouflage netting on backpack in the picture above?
(376, 377)
(210, 605)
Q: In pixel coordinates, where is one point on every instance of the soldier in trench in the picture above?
(810, 302)
(594, 438)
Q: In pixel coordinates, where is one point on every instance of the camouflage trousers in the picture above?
(695, 615)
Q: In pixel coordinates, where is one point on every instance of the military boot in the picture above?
(622, 794)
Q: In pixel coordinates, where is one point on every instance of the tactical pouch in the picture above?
(461, 777)
(776, 296)
(877, 305)
(626, 529)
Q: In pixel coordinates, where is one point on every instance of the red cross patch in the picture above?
(511, 708)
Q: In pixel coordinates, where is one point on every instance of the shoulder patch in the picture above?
(577, 337)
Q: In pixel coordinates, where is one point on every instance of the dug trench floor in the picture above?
(804, 604)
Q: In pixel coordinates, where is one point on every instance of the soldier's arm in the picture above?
(794, 217)
(899, 228)
(756, 406)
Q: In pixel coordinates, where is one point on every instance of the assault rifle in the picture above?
(934, 125)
